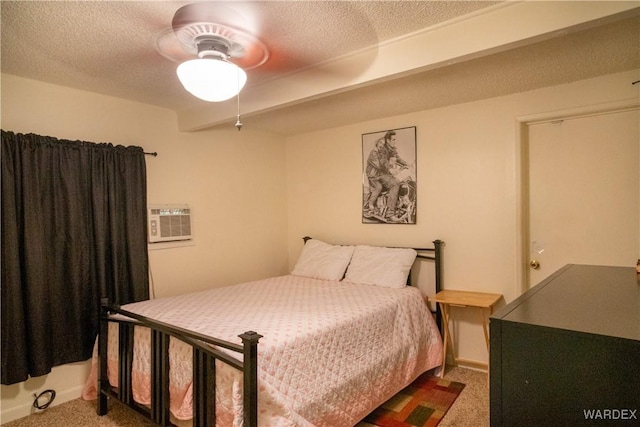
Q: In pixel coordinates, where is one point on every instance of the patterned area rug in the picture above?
(421, 404)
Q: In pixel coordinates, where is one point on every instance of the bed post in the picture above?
(250, 377)
(103, 381)
(159, 376)
(437, 255)
(204, 389)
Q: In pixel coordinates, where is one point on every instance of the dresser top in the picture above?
(585, 298)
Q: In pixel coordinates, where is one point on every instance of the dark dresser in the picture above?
(567, 352)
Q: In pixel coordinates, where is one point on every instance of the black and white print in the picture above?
(389, 176)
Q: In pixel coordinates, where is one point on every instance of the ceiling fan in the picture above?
(213, 54)
(223, 35)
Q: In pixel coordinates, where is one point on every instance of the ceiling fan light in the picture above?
(211, 79)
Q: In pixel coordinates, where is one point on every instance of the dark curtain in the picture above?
(73, 232)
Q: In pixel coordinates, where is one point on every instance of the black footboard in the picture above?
(204, 368)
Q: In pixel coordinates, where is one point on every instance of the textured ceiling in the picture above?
(108, 47)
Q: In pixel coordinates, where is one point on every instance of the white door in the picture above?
(584, 192)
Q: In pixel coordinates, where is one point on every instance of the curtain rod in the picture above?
(154, 154)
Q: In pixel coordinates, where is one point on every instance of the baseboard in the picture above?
(26, 409)
(473, 364)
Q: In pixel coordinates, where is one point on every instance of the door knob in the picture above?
(534, 264)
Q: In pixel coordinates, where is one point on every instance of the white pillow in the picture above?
(388, 267)
(320, 260)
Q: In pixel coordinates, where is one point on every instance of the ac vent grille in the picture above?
(169, 223)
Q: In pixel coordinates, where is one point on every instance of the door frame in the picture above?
(522, 173)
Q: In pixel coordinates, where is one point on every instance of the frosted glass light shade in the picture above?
(211, 79)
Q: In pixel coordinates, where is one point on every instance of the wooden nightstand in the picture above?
(450, 298)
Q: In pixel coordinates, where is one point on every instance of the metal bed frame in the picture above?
(204, 358)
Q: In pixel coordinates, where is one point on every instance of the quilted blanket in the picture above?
(331, 351)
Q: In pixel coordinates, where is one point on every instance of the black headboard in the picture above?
(435, 254)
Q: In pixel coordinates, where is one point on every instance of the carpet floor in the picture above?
(470, 409)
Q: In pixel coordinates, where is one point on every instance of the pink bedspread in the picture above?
(331, 352)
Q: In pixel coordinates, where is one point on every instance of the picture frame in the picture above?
(389, 176)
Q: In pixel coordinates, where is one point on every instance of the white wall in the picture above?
(468, 191)
(234, 181)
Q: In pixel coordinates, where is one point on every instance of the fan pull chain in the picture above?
(238, 122)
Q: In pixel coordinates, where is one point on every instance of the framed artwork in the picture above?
(389, 179)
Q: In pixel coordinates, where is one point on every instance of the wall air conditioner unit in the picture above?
(168, 223)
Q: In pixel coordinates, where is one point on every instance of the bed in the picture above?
(322, 346)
